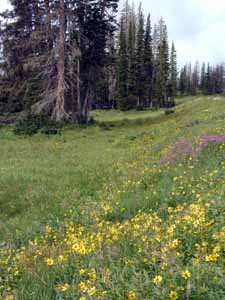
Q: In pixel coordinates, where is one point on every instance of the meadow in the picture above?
(129, 208)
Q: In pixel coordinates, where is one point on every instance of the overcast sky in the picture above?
(196, 26)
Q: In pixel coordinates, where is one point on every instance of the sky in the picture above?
(197, 27)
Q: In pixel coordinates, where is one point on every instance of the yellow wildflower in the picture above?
(82, 287)
(92, 291)
(61, 258)
(131, 295)
(9, 297)
(64, 287)
(186, 274)
(92, 274)
(173, 295)
(157, 279)
(49, 261)
(82, 271)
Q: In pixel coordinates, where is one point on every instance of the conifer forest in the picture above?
(112, 141)
(65, 58)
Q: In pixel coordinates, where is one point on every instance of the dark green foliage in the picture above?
(131, 57)
(162, 64)
(140, 47)
(183, 80)
(32, 124)
(42, 55)
(148, 64)
(122, 76)
(210, 80)
(163, 73)
(203, 78)
(173, 71)
(169, 112)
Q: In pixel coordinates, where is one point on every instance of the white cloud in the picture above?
(4, 4)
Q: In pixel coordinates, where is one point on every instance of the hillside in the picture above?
(130, 208)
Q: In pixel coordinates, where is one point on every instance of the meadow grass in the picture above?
(94, 214)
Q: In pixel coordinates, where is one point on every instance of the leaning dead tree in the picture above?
(59, 113)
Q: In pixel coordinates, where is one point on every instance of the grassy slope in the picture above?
(108, 179)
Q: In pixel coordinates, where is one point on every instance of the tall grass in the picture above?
(95, 214)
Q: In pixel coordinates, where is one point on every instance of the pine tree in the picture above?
(203, 78)
(163, 66)
(131, 57)
(183, 81)
(209, 88)
(17, 50)
(126, 14)
(140, 59)
(173, 72)
(195, 79)
(189, 79)
(122, 77)
(148, 64)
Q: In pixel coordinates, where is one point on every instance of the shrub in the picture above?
(32, 124)
(51, 128)
(169, 112)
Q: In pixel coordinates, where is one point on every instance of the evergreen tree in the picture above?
(122, 79)
(195, 79)
(148, 64)
(209, 87)
(189, 79)
(173, 72)
(163, 66)
(132, 56)
(209, 81)
(140, 59)
(126, 15)
(203, 78)
(183, 81)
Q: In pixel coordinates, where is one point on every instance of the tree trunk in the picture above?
(59, 113)
(86, 107)
(37, 16)
(79, 108)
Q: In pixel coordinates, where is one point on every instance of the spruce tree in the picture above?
(163, 66)
(148, 64)
(122, 77)
(203, 78)
(183, 81)
(140, 59)
(195, 79)
(131, 57)
(209, 87)
(173, 72)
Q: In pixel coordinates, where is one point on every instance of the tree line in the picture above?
(63, 58)
(207, 79)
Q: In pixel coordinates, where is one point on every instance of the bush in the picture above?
(52, 128)
(169, 112)
(32, 124)
(127, 103)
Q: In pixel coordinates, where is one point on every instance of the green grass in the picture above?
(97, 189)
